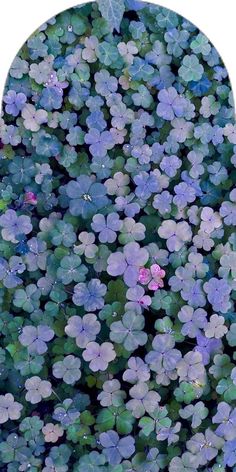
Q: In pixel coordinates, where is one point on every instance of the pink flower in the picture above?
(153, 277)
(30, 198)
(144, 275)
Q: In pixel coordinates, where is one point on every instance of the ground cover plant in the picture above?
(117, 250)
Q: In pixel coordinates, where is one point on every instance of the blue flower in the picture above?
(141, 70)
(86, 196)
(201, 87)
(51, 99)
(96, 120)
(47, 144)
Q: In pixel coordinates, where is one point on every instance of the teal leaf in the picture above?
(112, 11)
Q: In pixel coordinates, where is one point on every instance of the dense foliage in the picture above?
(117, 251)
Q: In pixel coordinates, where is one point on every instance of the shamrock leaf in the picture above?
(112, 11)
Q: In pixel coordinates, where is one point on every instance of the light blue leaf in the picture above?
(112, 11)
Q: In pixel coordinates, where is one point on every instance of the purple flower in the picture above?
(164, 358)
(9, 271)
(205, 446)
(170, 165)
(216, 328)
(53, 82)
(105, 83)
(68, 369)
(106, 227)
(190, 368)
(96, 120)
(125, 204)
(99, 142)
(35, 339)
(163, 78)
(184, 194)
(158, 56)
(37, 389)
(207, 347)
(197, 169)
(14, 102)
(162, 202)
(33, 118)
(66, 413)
(10, 135)
(177, 41)
(169, 434)
(111, 394)
(157, 152)
(143, 400)
(128, 262)
(182, 278)
(192, 182)
(228, 212)
(226, 418)
(175, 233)
(87, 246)
(137, 299)
(99, 356)
(192, 293)
(194, 320)
(14, 225)
(94, 103)
(9, 409)
(118, 185)
(138, 371)
(171, 104)
(52, 98)
(142, 153)
(115, 449)
(84, 329)
(229, 449)
(128, 331)
(204, 132)
(210, 220)
(121, 115)
(218, 292)
(89, 295)
(146, 184)
(36, 257)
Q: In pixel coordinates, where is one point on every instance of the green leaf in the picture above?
(124, 422)
(109, 417)
(147, 424)
(87, 418)
(105, 420)
(11, 348)
(112, 11)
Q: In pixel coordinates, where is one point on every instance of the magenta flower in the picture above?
(30, 198)
(153, 277)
